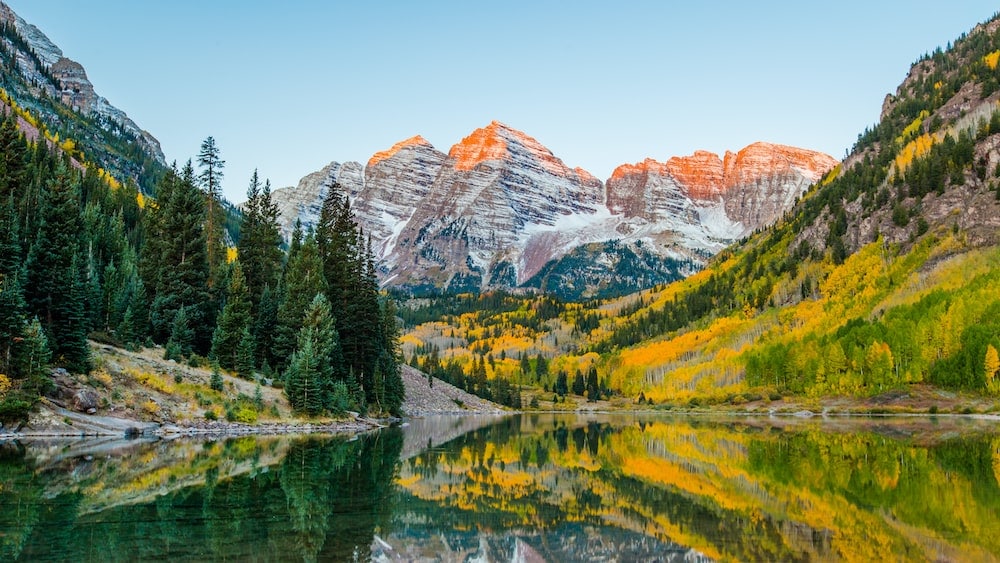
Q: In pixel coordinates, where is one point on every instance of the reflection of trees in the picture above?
(322, 502)
(729, 491)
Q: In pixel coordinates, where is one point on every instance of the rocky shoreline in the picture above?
(54, 421)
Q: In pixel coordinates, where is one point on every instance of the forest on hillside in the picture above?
(83, 256)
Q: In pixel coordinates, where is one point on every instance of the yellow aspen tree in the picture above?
(991, 366)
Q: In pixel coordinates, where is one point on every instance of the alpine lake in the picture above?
(530, 487)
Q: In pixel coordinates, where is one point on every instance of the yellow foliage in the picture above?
(151, 407)
(914, 149)
(831, 175)
(914, 125)
(991, 366)
(5, 384)
(68, 145)
(231, 254)
(992, 59)
(153, 381)
(103, 377)
(140, 199)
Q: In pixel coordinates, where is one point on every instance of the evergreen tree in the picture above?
(12, 321)
(10, 243)
(593, 388)
(179, 344)
(233, 322)
(13, 156)
(579, 385)
(389, 361)
(31, 359)
(309, 377)
(265, 325)
(303, 280)
(215, 381)
(260, 240)
(182, 276)
(245, 361)
(210, 179)
(561, 387)
(54, 289)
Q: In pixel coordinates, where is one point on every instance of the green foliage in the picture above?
(215, 382)
(234, 322)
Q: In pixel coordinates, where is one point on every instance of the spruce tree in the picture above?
(182, 276)
(245, 361)
(260, 240)
(12, 321)
(31, 359)
(210, 179)
(389, 360)
(303, 280)
(181, 336)
(593, 388)
(215, 381)
(233, 322)
(309, 378)
(579, 385)
(264, 326)
(54, 289)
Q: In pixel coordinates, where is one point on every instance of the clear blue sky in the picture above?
(287, 87)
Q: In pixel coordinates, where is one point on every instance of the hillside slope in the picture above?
(36, 76)
(885, 275)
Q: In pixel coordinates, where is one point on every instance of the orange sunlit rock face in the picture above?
(389, 153)
(763, 159)
(702, 173)
(482, 145)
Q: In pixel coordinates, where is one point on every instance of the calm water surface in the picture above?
(523, 488)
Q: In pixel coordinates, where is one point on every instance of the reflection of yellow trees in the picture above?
(871, 497)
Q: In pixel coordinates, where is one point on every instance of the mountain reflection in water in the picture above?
(526, 488)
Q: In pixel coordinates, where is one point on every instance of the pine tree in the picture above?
(389, 360)
(309, 377)
(579, 385)
(13, 154)
(593, 388)
(260, 240)
(215, 381)
(265, 325)
(54, 289)
(245, 361)
(234, 320)
(303, 281)
(32, 358)
(10, 244)
(12, 321)
(561, 387)
(210, 179)
(181, 277)
(179, 344)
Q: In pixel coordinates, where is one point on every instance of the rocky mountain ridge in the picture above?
(39, 77)
(501, 210)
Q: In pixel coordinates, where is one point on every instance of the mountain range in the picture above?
(500, 210)
(38, 77)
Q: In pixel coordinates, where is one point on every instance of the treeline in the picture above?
(84, 257)
(949, 338)
(497, 389)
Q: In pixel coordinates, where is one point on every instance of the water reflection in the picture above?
(527, 488)
(638, 488)
(238, 499)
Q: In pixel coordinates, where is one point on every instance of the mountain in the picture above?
(501, 210)
(883, 281)
(55, 90)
